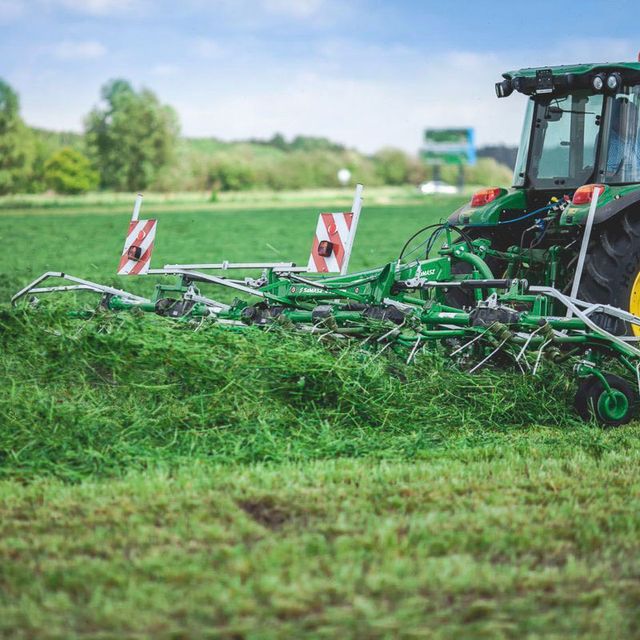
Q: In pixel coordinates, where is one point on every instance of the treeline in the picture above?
(131, 142)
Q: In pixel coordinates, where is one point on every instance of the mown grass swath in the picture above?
(106, 395)
(113, 393)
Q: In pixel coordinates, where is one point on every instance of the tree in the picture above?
(278, 141)
(488, 172)
(16, 144)
(69, 171)
(131, 137)
(393, 166)
(314, 143)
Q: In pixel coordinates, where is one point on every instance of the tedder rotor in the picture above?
(447, 297)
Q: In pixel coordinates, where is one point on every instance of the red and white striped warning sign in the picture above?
(331, 243)
(136, 255)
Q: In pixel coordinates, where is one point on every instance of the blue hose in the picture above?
(524, 217)
(431, 240)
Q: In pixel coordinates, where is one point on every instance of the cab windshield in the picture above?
(560, 139)
(620, 162)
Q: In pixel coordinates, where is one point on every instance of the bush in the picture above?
(393, 166)
(69, 171)
(488, 172)
(230, 175)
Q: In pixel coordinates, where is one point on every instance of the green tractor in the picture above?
(580, 134)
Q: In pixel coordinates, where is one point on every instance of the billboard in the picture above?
(449, 146)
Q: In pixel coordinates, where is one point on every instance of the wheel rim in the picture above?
(634, 303)
(613, 405)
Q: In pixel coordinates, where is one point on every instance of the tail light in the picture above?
(325, 248)
(134, 252)
(485, 196)
(584, 195)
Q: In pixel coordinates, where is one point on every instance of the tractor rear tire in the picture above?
(611, 272)
(609, 410)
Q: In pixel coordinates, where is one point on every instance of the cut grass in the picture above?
(100, 397)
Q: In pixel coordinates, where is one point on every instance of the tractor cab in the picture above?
(581, 127)
(581, 136)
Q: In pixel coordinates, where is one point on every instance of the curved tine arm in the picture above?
(35, 283)
(570, 304)
(86, 284)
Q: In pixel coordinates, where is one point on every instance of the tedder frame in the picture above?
(410, 304)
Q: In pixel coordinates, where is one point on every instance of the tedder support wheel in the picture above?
(612, 270)
(610, 408)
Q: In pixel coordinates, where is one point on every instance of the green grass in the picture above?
(523, 546)
(161, 482)
(194, 200)
(102, 397)
(89, 244)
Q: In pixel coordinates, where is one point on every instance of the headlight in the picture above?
(598, 82)
(504, 88)
(614, 81)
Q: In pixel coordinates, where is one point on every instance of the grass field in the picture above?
(157, 482)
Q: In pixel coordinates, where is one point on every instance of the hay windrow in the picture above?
(114, 393)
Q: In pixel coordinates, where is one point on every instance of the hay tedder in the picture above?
(547, 271)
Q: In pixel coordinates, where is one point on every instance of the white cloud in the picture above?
(362, 95)
(80, 50)
(388, 101)
(206, 48)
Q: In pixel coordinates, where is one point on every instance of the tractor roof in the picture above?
(561, 80)
(576, 69)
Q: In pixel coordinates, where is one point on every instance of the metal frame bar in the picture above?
(584, 245)
(356, 208)
(282, 267)
(203, 277)
(82, 284)
(573, 305)
(215, 306)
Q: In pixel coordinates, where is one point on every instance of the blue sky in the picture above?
(364, 72)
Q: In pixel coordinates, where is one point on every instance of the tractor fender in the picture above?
(616, 207)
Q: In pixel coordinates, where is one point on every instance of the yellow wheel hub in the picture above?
(634, 303)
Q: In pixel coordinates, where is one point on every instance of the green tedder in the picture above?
(546, 271)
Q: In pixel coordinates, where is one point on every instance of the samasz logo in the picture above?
(305, 290)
